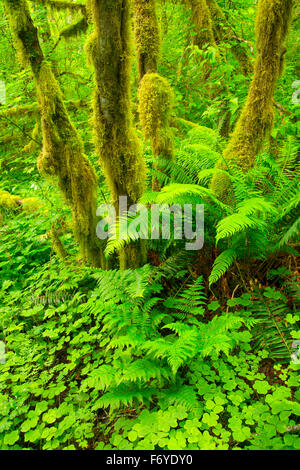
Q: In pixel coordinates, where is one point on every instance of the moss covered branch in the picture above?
(75, 30)
(62, 5)
(33, 108)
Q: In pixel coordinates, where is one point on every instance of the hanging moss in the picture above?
(62, 154)
(32, 145)
(117, 144)
(155, 108)
(146, 36)
(223, 32)
(257, 117)
(57, 244)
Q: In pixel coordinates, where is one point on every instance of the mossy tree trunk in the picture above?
(155, 93)
(202, 22)
(257, 117)
(62, 154)
(146, 36)
(155, 108)
(117, 143)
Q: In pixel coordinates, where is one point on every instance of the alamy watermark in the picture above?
(160, 221)
(296, 94)
(296, 354)
(2, 92)
(2, 353)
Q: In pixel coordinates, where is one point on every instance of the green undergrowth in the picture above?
(129, 360)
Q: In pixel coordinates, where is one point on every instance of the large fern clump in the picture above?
(148, 338)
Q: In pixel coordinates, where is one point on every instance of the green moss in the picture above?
(117, 143)
(257, 117)
(203, 135)
(202, 22)
(59, 5)
(16, 203)
(57, 244)
(20, 110)
(8, 201)
(32, 204)
(62, 154)
(31, 146)
(146, 36)
(33, 109)
(24, 33)
(155, 108)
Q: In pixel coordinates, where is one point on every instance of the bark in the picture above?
(146, 36)
(62, 155)
(256, 120)
(117, 144)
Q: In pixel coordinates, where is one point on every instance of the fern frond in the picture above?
(237, 223)
(221, 265)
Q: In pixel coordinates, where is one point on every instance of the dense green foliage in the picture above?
(194, 349)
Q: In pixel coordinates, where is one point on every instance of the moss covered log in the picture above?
(146, 36)
(62, 155)
(257, 117)
(117, 143)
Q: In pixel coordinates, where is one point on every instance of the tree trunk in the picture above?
(116, 140)
(62, 154)
(146, 36)
(257, 117)
(202, 22)
(155, 93)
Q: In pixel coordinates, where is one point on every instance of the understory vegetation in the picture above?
(139, 343)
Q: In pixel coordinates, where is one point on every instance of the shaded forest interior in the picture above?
(149, 225)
